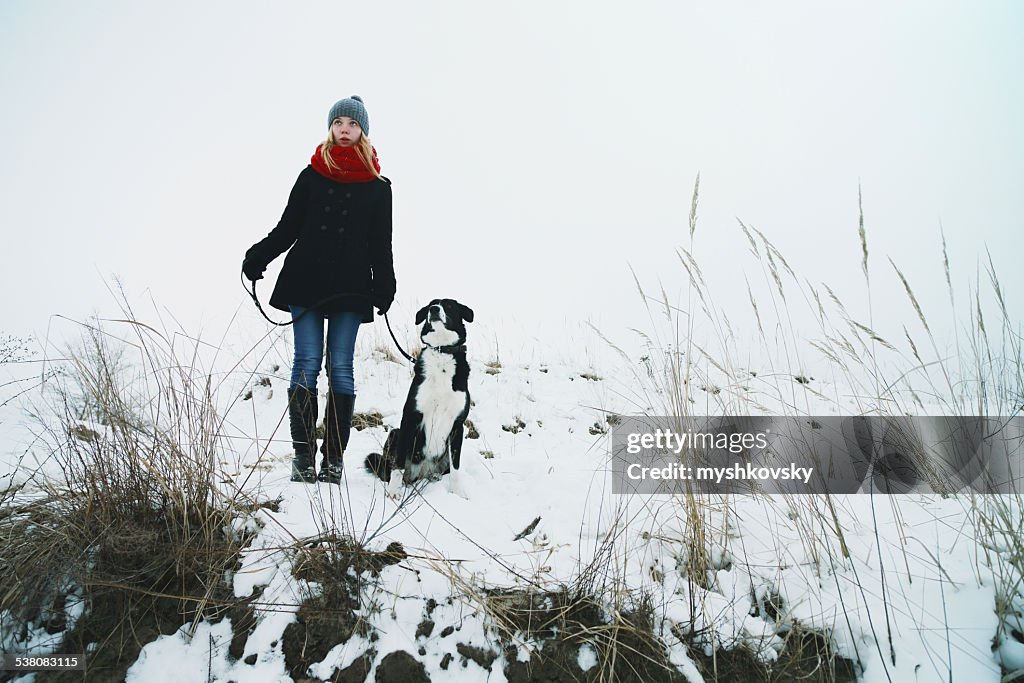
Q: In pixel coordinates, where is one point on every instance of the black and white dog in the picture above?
(428, 444)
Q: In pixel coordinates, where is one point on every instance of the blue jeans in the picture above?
(309, 348)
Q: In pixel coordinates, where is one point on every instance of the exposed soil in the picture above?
(330, 618)
(400, 667)
(806, 657)
(626, 648)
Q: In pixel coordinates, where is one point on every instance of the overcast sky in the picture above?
(538, 150)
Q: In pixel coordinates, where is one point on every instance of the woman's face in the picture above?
(346, 131)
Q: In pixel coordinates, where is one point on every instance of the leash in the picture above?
(397, 345)
(255, 300)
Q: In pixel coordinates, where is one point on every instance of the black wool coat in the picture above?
(340, 240)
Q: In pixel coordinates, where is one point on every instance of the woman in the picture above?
(338, 226)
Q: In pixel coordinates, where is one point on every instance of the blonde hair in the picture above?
(363, 149)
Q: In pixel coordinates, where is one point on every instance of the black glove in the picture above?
(382, 303)
(253, 270)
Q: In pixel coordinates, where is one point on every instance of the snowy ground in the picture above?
(913, 601)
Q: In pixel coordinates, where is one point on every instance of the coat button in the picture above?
(344, 212)
(348, 194)
(323, 227)
(327, 209)
(330, 190)
(341, 230)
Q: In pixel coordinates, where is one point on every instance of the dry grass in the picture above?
(694, 365)
(127, 529)
(553, 623)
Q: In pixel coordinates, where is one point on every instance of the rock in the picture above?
(425, 628)
(357, 671)
(478, 654)
(400, 667)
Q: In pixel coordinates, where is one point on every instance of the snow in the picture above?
(587, 658)
(912, 597)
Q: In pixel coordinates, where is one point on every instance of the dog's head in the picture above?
(444, 322)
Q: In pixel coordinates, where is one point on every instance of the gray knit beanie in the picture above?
(353, 108)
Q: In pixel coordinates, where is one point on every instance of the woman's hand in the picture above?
(382, 303)
(253, 270)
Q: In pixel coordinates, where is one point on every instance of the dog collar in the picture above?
(450, 348)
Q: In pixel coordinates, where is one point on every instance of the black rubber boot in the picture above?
(302, 420)
(337, 427)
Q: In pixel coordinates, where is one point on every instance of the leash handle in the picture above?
(255, 300)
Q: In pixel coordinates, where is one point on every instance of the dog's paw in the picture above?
(455, 485)
(394, 490)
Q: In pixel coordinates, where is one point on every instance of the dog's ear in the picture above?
(421, 314)
(467, 313)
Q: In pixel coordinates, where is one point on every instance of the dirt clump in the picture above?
(401, 667)
(342, 568)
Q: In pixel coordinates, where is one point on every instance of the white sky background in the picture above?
(537, 149)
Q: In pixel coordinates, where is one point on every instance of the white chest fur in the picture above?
(437, 401)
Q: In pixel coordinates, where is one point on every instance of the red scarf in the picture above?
(351, 168)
